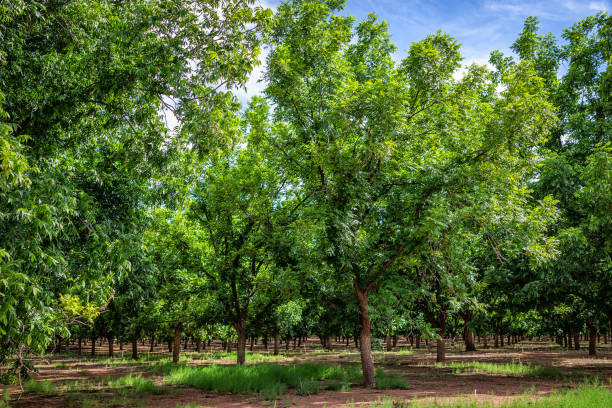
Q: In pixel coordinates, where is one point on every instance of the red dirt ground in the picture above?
(425, 380)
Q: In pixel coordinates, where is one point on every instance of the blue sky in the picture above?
(481, 26)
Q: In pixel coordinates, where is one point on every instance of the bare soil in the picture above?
(426, 380)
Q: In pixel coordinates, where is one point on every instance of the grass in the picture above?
(514, 369)
(389, 380)
(585, 396)
(269, 380)
(39, 387)
(134, 385)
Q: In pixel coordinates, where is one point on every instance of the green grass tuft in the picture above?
(134, 385)
(389, 380)
(39, 387)
(585, 396)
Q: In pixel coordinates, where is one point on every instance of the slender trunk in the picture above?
(110, 347)
(121, 345)
(151, 345)
(394, 340)
(365, 339)
(135, 349)
(275, 343)
(265, 340)
(329, 343)
(199, 345)
(80, 346)
(93, 346)
(418, 341)
(389, 347)
(186, 343)
(496, 339)
(469, 338)
(228, 346)
(170, 344)
(576, 341)
(485, 340)
(501, 340)
(241, 347)
(176, 348)
(592, 338)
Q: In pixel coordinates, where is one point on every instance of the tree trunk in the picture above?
(329, 343)
(93, 346)
(389, 347)
(394, 340)
(265, 341)
(151, 345)
(199, 345)
(241, 347)
(170, 344)
(365, 339)
(275, 343)
(576, 341)
(485, 340)
(592, 338)
(496, 339)
(418, 341)
(469, 338)
(80, 346)
(176, 348)
(135, 349)
(440, 351)
(121, 346)
(186, 343)
(110, 347)
(228, 346)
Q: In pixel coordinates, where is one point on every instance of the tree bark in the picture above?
(176, 348)
(199, 345)
(135, 349)
(80, 346)
(576, 341)
(151, 345)
(329, 343)
(241, 347)
(365, 338)
(592, 338)
(389, 347)
(275, 343)
(418, 341)
(93, 346)
(485, 340)
(469, 338)
(170, 344)
(110, 347)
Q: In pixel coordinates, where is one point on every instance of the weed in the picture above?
(389, 380)
(39, 387)
(134, 385)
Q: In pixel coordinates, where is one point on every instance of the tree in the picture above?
(83, 102)
(377, 143)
